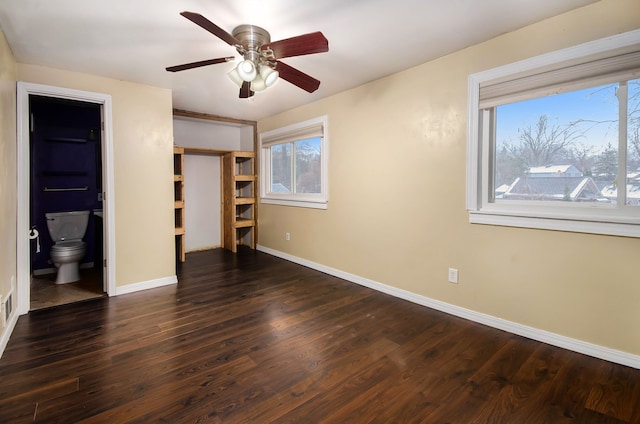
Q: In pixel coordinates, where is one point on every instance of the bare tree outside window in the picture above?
(304, 169)
(308, 166)
(281, 168)
(556, 136)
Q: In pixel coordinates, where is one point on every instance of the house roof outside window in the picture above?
(553, 182)
(633, 189)
(554, 170)
(575, 189)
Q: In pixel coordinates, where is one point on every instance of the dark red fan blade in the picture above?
(245, 90)
(296, 77)
(311, 43)
(199, 64)
(214, 29)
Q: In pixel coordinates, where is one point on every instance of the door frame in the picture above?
(23, 271)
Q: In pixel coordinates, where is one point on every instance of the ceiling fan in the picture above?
(261, 66)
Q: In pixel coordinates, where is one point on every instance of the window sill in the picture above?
(295, 203)
(557, 224)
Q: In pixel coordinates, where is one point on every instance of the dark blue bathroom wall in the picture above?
(66, 168)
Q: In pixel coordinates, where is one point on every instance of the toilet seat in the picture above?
(68, 246)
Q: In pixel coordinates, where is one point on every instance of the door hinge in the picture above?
(104, 263)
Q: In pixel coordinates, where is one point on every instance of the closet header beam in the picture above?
(199, 115)
(203, 151)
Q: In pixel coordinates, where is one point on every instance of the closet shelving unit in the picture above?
(178, 204)
(238, 187)
(239, 194)
(238, 182)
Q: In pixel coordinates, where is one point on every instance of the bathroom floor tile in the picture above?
(45, 293)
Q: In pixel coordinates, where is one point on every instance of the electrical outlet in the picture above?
(287, 236)
(453, 275)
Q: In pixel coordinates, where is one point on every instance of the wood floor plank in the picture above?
(530, 385)
(250, 338)
(615, 395)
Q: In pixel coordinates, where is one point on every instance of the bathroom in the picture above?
(65, 175)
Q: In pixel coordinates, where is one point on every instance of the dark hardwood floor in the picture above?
(250, 338)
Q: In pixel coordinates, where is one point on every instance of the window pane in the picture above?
(281, 168)
(308, 175)
(633, 144)
(558, 148)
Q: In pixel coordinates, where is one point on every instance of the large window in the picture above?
(554, 141)
(294, 165)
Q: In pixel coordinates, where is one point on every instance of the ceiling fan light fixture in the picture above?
(258, 84)
(247, 70)
(260, 56)
(269, 75)
(235, 77)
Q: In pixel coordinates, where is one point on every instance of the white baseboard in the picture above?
(7, 332)
(146, 285)
(601, 352)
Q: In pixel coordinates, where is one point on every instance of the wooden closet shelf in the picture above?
(245, 200)
(242, 223)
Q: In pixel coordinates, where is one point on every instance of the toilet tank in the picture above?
(67, 225)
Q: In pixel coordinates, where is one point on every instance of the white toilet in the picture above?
(66, 230)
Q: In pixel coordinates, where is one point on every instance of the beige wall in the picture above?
(7, 168)
(143, 174)
(397, 199)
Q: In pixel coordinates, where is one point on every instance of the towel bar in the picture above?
(85, 188)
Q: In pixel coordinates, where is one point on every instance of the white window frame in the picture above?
(289, 134)
(620, 220)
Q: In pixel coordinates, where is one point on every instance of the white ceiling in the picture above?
(135, 40)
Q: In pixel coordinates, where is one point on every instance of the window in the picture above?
(294, 165)
(554, 141)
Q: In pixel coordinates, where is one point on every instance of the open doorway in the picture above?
(65, 196)
(65, 164)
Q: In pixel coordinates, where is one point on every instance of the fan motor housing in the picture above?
(252, 37)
